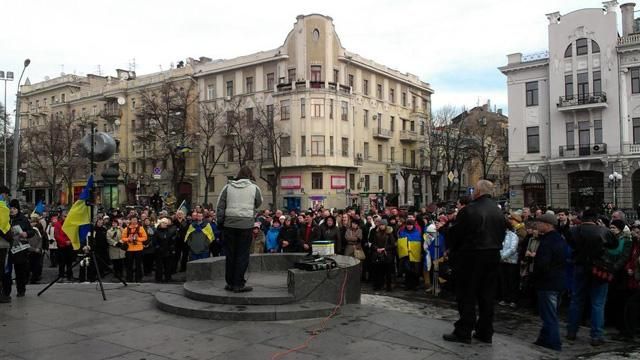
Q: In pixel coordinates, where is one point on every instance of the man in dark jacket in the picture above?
(588, 242)
(19, 260)
(478, 234)
(549, 280)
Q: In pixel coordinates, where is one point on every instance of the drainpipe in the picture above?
(549, 145)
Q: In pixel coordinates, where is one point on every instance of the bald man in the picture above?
(475, 252)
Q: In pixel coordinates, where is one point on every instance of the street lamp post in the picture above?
(16, 138)
(5, 76)
(615, 178)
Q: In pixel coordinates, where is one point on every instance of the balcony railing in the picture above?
(598, 98)
(345, 89)
(409, 136)
(582, 150)
(316, 84)
(632, 148)
(381, 133)
(284, 87)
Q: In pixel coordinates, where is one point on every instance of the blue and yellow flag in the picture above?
(77, 225)
(5, 220)
(204, 227)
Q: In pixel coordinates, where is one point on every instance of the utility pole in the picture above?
(16, 138)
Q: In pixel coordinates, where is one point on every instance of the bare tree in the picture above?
(210, 126)
(240, 132)
(275, 144)
(165, 132)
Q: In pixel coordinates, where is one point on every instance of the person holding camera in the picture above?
(135, 237)
(117, 248)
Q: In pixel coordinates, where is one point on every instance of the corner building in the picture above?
(355, 128)
(574, 113)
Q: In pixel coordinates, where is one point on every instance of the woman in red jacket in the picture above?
(66, 254)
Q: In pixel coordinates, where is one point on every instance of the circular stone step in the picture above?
(181, 305)
(268, 289)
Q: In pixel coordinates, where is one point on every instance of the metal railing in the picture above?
(582, 150)
(582, 99)
(382, 133)
(407, 135)
(540, 55)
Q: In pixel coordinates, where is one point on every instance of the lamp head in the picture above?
(27, 62)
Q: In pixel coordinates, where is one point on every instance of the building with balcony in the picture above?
(352, 126)
(574, 112)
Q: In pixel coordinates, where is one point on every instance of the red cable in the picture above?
(323, 323)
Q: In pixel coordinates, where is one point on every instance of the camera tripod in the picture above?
(93, 261)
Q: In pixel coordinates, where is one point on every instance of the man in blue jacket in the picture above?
(549, 279)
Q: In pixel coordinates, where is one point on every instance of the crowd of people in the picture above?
(484, 255)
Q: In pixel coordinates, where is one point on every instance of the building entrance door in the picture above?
(586, 189)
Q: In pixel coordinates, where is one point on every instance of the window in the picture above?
(379, 124)
(270, 114)
(570, 135)
(404, 124)
(352, 181)
(211, 92)
(422, 127)
(532, 93)
(248, 152)
(392, 124)
(413, 158)
(597, 83)
(351, 80)
(292, 75)
(285, 146)
(303, 145)
(636, 130)
(336, 75)
(316, 181)
(379, 152)
(365, 86)
(533, 139)
(581, 47)
(583, 85)
(211, 183)
(303, 108)
(316, 73)
(63, 97)
(379, 91)
(365, 153)
(285, 110)
(569, 51)
(595, 48)
(317, 108)
(380, 182)
(392, 96)
(330, 145)
(366, 118)
(317, 145)
(133, 125)
(270, 81)
(330, 108)
(248, 114)
(412, 125)
(597, 131)
(392, 154)
(635, 81)
(414, 103)
(133, 167)
(404, 156)
(344, 114)
(249, 84)
(404, 99)
(568, 87)
(230, 88)
(367, 182)
(345, 146)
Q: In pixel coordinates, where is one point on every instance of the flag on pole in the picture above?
(5, 221)
(39, 209)
(183, 149)
(77, 225)
(183, 207)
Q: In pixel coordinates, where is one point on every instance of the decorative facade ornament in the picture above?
(554, 17)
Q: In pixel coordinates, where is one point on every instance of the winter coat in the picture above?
(509, 252)
(164, 241)
(307, 234)
(289, 234)
(53, 245)
(352, 240)
(100, 244)
(479, 226)
(237, 204)
(549, 269)
(135, 239)
(589, 242)
(114, 236)
(410, 244)
(272, 243)
(62, 239)
(381, 239)
(181, 231)
(332, 234)
(258, 242)
(199, 237)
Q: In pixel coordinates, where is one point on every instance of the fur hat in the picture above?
(618, 223)
(548, 218)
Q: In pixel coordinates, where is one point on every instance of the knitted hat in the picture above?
(14, 204)
(548, 218)
(384, 222)
(618, 223)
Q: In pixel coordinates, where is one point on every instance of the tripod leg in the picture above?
(98, 276)
(57, 279)
(113, 272)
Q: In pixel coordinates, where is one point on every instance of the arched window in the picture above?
(581, 47)
(569, 53)
(595, 48)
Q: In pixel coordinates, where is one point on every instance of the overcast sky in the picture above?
(454, 45)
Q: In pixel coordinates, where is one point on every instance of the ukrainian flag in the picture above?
(5, 221)
(77, 225)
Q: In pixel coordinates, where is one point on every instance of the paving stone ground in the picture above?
(70, 321)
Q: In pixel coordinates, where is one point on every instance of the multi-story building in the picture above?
(574, 113)
(352, 126)
(352, 129)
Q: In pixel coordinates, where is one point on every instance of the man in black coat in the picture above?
(19, 260)
(477, 240)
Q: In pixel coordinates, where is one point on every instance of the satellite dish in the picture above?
(104, 146)
(121, 100)
(124, 76)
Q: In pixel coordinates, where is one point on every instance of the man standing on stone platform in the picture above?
(478, 235)
(236, 211)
